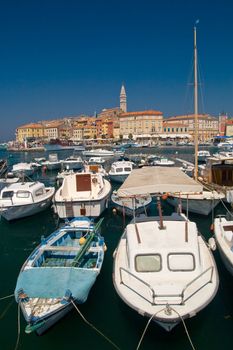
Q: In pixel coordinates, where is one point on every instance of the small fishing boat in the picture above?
(199, 203)
(120, 171)
(223, 233)
(22, 199)
(131, 206)
(20, 169)
(163, 162)
(58, 273)
(164, 270)
(82, 194)
(96, 160)
(95, 169)
(75, 163)
(53, 163)
(203, 155)
(99, 152)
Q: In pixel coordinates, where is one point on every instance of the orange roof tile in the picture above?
(147, 112)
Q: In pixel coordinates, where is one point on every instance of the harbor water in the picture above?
(211, 328)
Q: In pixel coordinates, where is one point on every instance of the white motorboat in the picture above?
(10, 178)
(164, 270)
(120, 171)
(199, 203)
(203, 155)
(22, 199)
(223, 233)
(53, 163)
(94, 169)
(131, 206)
(82, 194)
(20, 169)
(99, 152)
(163, 162)
(96, 160)
(75, 163)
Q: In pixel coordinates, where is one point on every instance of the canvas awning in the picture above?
(158, 180)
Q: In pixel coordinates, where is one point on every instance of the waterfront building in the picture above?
(29, 131)
(222, 121)
(174, 130)
(229, 127)
(207, 125)
(141, 124)
(51, 129)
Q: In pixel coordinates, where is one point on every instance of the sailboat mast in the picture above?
(195, 108)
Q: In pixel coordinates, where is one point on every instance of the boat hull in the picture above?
(118, 178)
(197, 206)
(22, 211)
(90, 208)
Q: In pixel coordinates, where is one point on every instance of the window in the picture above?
(119, 170)
(23, 194)
(127, 169)
(181, 262)
(7, 194)
(39, 192)
(148, 263)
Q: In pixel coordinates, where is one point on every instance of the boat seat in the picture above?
(61, 248)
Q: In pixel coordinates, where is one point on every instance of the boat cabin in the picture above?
(23, 192)
(219, 171)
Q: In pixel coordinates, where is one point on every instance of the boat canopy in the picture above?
(158, 180)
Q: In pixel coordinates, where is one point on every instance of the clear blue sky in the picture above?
(64, 57)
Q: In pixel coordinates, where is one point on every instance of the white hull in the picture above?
(90, 208)
(223, 230)
(197, 206)
(164, 295)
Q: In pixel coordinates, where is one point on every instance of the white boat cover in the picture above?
(158, 180)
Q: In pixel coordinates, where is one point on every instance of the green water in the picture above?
(210, 329)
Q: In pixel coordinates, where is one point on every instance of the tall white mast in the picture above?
(195, 106)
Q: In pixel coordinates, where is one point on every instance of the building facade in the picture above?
(229, 128)
(142, 124)
(29, 131)
(207, 125)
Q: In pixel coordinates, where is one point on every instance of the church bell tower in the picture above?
(123, 102)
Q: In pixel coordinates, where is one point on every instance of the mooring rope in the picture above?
(147, 325)
(6, 309)
(185, 327)
(8, 296)
(92, 326)
(18, 336)
(229, 212)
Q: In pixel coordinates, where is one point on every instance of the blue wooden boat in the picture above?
(60, 271)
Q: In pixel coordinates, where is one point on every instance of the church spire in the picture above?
(123, 101)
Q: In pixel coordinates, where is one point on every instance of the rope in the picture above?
(8, 296)
(147, 325)
(18, 336)
(186, 330)
(6, 309)
(92, 326)
(228, 211)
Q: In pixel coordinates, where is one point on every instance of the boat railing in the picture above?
(211, 269)
(137, 290)
(175, 298)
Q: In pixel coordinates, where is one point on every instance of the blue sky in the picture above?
(69, 57)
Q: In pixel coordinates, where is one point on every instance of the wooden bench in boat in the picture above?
(62, 248)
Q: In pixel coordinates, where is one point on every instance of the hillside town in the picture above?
(117, 124)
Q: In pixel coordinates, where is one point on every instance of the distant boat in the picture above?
(96, 160)
(58, 273)
(59, 145)
(120, 171)
(163, 162)
(203, 155)
(23, 168)
(53, 163)
(72, 162)
(99, 152)
(22, 199)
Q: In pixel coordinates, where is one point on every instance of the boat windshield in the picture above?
(148, 263)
